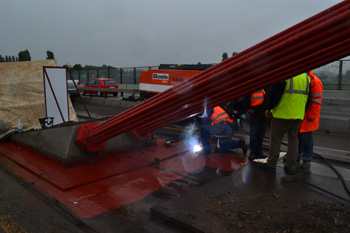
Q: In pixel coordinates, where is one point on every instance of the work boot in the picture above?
(260, 155)
(289, 171)
(243, 146)
(251, 155)
(266, 167)
(305, 165)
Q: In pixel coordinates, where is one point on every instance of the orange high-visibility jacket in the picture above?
(257, 98)
(219, 115)
(312, 115)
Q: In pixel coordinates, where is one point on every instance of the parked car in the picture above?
(72, 89)
(100, 83)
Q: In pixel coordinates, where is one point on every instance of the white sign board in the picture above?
(56, 95)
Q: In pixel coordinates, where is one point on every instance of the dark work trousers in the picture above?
(258, 125)
(223, 132)
(306, 145)
(280, 127)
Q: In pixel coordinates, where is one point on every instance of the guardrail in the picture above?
(113, 90)
(335, 75)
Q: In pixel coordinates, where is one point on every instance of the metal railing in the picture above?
(128, 75)
(335, 76)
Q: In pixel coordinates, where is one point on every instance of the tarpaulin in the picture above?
(22, 94)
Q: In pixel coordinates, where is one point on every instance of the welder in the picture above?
(217, 122)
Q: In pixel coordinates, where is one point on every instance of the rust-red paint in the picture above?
(107, 182)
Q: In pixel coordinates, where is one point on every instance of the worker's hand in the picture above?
(268, 114)
(250, 111)
(234, 112)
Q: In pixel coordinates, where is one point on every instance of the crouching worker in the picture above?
(217, 122)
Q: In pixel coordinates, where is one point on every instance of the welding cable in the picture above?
(8, 134)
(324, 190)
(340, 177)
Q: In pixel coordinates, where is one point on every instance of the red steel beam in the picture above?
(204, 82)
(306, 24)
(259, 63)
(318, 32)
(308, 63)
(103, 127)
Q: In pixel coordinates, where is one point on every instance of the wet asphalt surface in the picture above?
(23, 208)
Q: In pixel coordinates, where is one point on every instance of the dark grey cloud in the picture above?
(142, 33)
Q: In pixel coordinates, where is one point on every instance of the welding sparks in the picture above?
(197, 148)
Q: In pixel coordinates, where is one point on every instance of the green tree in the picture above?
(13, 59)
(2, 59)
(6, 58)
(224, 56)
(107, 67)
(77, 67)
(234, 53)
(49, 55)
(24, 56)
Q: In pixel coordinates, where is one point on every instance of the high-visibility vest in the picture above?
(293, 101)
(313, 111)
(219, 115)
(257, 98)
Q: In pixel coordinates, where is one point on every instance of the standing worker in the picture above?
(287, 106)
(310, 122)
(258, 122)
(217, 122)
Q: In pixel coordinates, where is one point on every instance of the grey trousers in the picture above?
(279, 127)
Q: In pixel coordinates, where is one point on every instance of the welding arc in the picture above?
(244, 70)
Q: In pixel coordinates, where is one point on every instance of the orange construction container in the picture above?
(154, 81)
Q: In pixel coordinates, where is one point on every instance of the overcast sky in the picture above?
(127, 33)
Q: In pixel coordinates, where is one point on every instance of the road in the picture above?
(26, 207)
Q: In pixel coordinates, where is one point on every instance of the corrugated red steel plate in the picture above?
(109, 181)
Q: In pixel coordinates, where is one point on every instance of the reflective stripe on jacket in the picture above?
(293, 101)
(219, 115)
(257, 98)
(312, 115)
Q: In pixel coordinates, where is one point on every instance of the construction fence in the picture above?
(335, 76)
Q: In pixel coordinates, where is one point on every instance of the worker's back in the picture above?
(294, 98)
